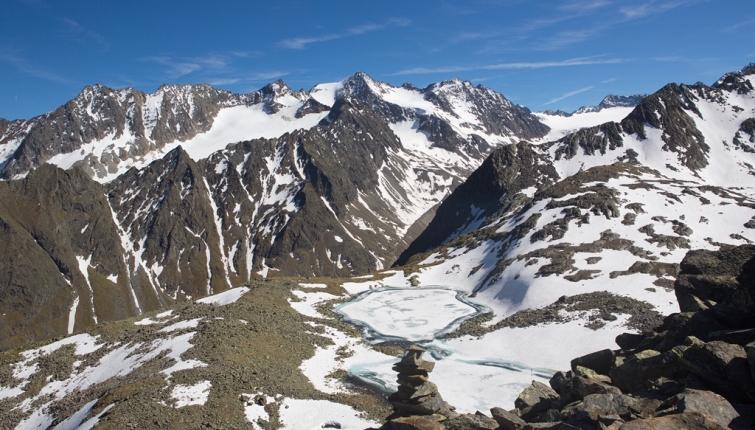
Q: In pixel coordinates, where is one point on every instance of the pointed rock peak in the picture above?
(276, 88)
(360, 79)
(360, 76)
(612, 100)
(177, 153)
(748, 69)
(92, 90)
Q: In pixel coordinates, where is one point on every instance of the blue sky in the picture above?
(542, 54)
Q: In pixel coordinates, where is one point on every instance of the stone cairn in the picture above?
(416, 395)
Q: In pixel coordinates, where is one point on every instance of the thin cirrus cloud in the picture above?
(585, 61)
(739, 25)
(23, 66)
(79, 34)
(653, 7)
(302, 42)
(177, 67)
(255, 77)
(567, 95)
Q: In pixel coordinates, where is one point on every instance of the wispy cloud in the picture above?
(302, 42)
(584, 6)
(254, 77)
(23, 66)
(177, 67)
(608, 80)
(585, 61)
(567, 95)
(739, 25)
(652, 7)
(75, 32)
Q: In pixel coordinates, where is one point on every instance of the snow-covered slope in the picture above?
(561, 126)
(613, 207)
(206, 189)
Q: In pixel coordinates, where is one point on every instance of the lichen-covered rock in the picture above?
(507, 420)
(599, 361)
(412, 423)
(476, 421)
(726, 278)
(582, 387)
(644, 367)
(708, 403)
(535, 398)
(722, 365)
(688, 421)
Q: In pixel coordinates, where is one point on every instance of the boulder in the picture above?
(639, 371)
(535, 398)
(721, 365)
(629, 341)
(600, 361)
(507, 420)
(591, 374)
(470, 422)
(428, 406)
(687, 420)
(413, 423)
(593, 406)
(725, 279)
(561, 382)
(750, 350)
(550, 426)
(707, 403)
(582, 387)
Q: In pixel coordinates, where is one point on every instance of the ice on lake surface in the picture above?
(472, 374)
(408, 314)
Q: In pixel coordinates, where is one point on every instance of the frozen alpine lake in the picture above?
(471, 375)
(408, 314)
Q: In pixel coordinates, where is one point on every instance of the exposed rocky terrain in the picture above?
(194, 190)
(693, 371)
(232, 361)
(601, 209)
(608, 102)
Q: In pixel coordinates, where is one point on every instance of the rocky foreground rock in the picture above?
(695, 371)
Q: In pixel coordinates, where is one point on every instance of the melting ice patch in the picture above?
(408, 314)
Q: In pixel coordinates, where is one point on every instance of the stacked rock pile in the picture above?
(416, 395)
(417, 405)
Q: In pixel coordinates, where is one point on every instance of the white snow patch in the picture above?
(299, 414)
(193, 323)
(186, 395)
(309, 301)
(226, 297)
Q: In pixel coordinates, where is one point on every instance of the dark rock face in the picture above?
(60, 247)
(611, 101)
(98, 112)
(493, 188)
(723, 280)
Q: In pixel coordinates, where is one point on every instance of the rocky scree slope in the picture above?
(612, 207)
(198, 189)
(231, 360)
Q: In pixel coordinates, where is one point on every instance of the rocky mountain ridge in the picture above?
(602, 207)
(608, 102)
(189, 210)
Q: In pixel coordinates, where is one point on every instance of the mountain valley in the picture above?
(196, 240)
